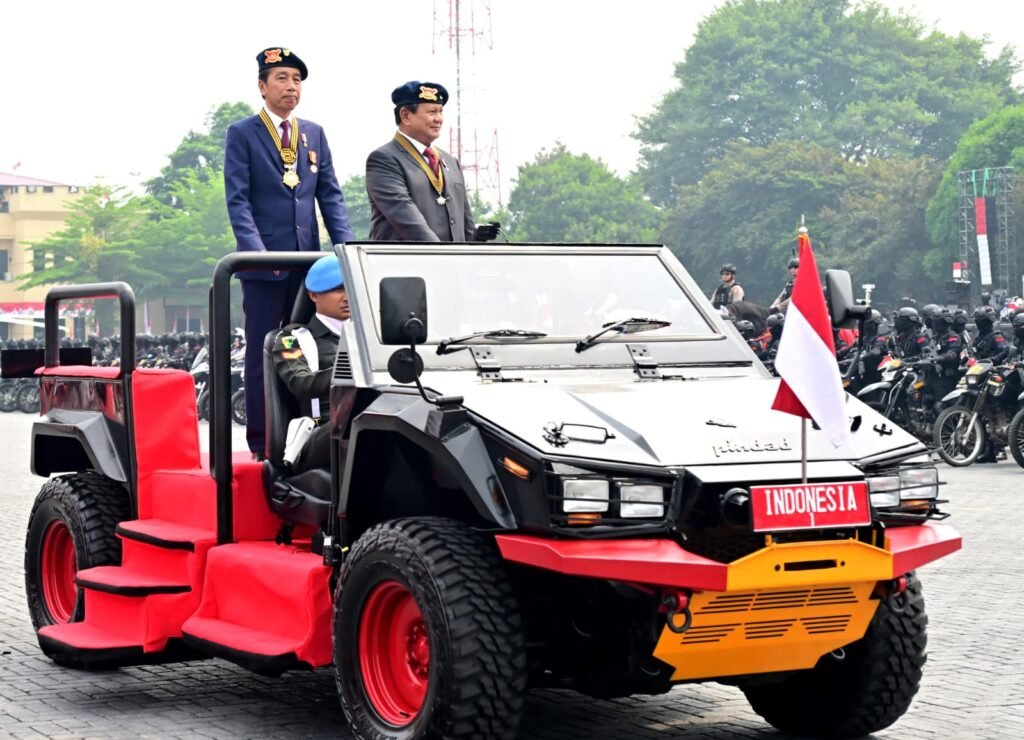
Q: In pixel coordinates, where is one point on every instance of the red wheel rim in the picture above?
(394, 653)
(58, 568)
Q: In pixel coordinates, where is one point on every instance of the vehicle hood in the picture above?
(673, 423)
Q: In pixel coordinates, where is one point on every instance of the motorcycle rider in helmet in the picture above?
(949, 347)
(1018, 332)
(781, 303)
(929, 313)
(873, 348)
(990, 344)
(729, 291)
(910, 341)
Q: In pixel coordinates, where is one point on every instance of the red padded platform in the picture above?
(165, 422)
(85, 636)
(129, 582)
(162, 533)
(238, 638)
(81, 371)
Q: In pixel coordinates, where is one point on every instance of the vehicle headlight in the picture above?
(584, 495)
(919, 483)
(641, 501)
(885, 491)
(973, 379)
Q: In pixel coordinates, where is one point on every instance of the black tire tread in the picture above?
(1015, 437)
(487, 670)
(99, 504)
(946, 413)
(863, 696)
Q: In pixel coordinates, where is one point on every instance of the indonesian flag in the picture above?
(811, 386)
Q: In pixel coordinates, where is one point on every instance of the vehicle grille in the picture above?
(763, 600)
(342, 367)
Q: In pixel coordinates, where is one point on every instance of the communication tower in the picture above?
(988, 234)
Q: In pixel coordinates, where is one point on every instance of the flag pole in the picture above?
(803, 450)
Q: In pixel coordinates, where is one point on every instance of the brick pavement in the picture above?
(971, 687)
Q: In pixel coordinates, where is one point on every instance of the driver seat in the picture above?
(302, 498)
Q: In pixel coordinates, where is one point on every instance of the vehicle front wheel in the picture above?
(1015, 437)
(863, 688)
(959, 436)
(28, 398)
(71, 528)
(237, 406)
(428, 637)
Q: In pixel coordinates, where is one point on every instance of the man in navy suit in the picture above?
(276, 168)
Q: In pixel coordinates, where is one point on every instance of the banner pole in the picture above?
(803, 449)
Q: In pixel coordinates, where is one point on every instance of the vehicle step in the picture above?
(113, 579)
(258, 651)
(84, 643)
(165, 534)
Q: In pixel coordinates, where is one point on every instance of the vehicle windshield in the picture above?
(563, 296)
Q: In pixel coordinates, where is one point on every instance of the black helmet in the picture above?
(906, 318)
(793, 262)
(985, 313)
(872, 322)
(775, 320)
(745, 328)
(1018, 322)
(728, 267)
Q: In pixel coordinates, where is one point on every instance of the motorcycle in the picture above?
(985, 404)
(903, 395)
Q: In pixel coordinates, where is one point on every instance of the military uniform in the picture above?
(294, 369)
(911, 344)
(992, 346)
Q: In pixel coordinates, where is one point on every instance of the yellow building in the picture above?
(30, 210)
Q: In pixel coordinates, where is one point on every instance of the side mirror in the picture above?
(842, 307)
(403, 310)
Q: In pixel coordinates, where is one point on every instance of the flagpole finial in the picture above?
(802, 230)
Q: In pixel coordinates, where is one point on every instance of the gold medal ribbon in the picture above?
(291, 154)
(436, 180)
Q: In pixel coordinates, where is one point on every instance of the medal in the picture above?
(441, 200)
(291, 178)
(289, 155)
(312, 160)
(312, 168)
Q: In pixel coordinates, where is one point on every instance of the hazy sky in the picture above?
(107, 89)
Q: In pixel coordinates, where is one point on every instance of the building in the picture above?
(30, 210)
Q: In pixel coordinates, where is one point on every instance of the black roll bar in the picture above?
(220, 366)
(126, 300)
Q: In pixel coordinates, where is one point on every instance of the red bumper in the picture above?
(664, 563)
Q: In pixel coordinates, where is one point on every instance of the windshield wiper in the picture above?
(447, 346)
(626, 326)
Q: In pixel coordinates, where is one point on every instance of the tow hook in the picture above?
(673, 605)
(895, 587)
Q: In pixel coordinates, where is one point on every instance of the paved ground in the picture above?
(972, 685)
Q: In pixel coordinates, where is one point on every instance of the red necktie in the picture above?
(286, 136)
(431, 159)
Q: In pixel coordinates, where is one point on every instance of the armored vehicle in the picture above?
(552, 465)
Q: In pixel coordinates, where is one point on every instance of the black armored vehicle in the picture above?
(552, 465)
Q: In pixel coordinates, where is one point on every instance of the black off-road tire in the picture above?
(1015, 437)
(477, 652)
(866, 691)
(28, 398)
(89, 507)
(959, 458)
(8, 396)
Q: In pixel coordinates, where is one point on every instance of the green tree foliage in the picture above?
(200, 152)
(865, 218)
(357, 203)
(101, 242)
(564, 197)
(994, 141)
(856, 79)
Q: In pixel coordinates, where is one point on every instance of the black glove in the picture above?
(487, 232)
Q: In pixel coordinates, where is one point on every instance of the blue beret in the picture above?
(325, 275)
(414, 92)
(277, 56)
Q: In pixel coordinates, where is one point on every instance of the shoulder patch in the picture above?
(292, 354)
(287, 341)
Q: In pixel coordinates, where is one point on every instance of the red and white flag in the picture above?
(811, 386)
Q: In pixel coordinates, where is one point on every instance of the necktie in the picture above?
(431, 159)
(286, 136)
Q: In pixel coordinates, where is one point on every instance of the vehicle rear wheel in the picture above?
(959, 440)
(238, 406)
(8, 396)
(71, 528)
(428, 638)
(862, 691)
(1015, 437)
(28, 398)
(203, 405)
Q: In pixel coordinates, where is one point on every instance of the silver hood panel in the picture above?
(706, 422)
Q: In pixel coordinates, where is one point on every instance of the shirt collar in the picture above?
(333, 325)
(419, 147)
(276, 119)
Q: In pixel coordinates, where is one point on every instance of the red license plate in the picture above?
(810, 506)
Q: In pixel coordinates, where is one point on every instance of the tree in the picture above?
(199, 152)
(101, 242)
(994, 141)
(357, 202)
(865, 218)
(859, 80)
(566, 197)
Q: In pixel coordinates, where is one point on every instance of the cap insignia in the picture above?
(428, 93)
(272, 56)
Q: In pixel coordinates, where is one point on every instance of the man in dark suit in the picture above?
(417, 192)
(276, 168)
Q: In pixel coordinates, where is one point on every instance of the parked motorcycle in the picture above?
(985, 403)
(903, 394)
